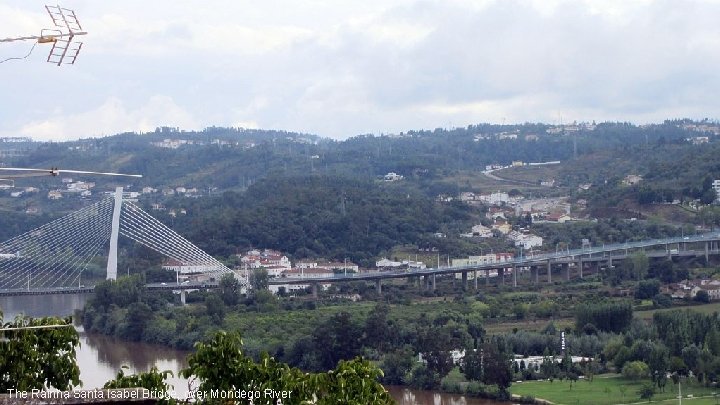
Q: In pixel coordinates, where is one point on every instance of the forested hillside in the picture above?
(318, 216)
(310, 196)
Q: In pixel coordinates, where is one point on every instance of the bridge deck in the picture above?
(672, 247)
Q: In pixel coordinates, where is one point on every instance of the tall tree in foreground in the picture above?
(38, 354)
(221, 367)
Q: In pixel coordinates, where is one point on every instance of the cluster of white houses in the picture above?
(690, 288)
(80, 188)
(279, 266)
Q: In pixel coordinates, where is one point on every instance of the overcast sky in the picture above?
(342, 68)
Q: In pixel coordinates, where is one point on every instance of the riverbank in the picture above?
(100, 357)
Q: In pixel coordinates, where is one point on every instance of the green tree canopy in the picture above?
(37, 354)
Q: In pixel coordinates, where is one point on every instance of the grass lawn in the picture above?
(690, 401)
(703, 309)
(606, 390)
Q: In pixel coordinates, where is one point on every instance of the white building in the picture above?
(527, 241)
(491, 258)
(632, 179)
(266, 258)
(413, 265)
(478, 230)
(387, 263)
(80, 186)
(333, 266)
(304, 273)
(716, 187)
(498, 198)
(184, 268)
(393, 177)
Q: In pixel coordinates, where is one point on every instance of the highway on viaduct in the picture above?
(701, 245)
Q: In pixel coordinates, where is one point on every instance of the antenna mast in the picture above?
(64, 51)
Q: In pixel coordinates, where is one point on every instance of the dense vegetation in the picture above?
(310, 197)
(38, 354)
(315, 336)
(316, 197)
(226, 373)
(317, 217)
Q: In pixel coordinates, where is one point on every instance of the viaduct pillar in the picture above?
(549, 270)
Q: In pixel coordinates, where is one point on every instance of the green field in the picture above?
(607, 390)
(703, 309)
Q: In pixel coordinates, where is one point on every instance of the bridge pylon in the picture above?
(114, 233)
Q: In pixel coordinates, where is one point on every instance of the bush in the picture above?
(452, 387)
(635, 370)
(424, 378)
(662, 301)
(647, 289)
(702, 296)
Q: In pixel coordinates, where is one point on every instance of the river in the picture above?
(100, 357)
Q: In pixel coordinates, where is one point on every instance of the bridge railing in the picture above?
(533, 259)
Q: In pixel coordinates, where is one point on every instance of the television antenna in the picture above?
(54, 171)
(64, 51)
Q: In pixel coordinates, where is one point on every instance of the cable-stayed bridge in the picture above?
(54, 255)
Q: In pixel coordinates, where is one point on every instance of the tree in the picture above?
(376, 327)
(640, 264)
(496, 366)
(259, 279)
(338, 338)
(662, 301)
(215, 308)
(34, 358)
(665, 270)
(476, 330)
(229, 289)
(472, 364)
(396, 365)
(137, 318)
(635, 370)
(520, 310)
(647, 289)
(351, 382)
(677, 366)
(658, 363)
(153, 380)
(712, 341)
(702, 296)
(220, 366)
(435, 344)
(423, 377)
(647, 392)
(606, 316)
(573, 378)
